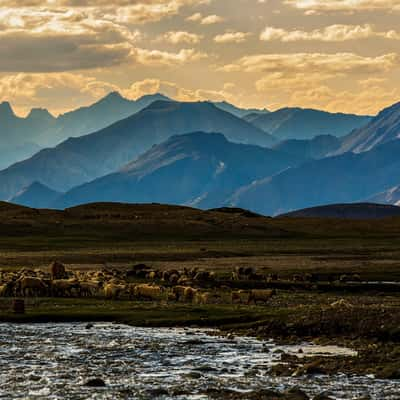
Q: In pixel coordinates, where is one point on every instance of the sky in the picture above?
(335, 55)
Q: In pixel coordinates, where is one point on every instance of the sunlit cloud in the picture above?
(332, 33)
(232, 37)
(344, 5)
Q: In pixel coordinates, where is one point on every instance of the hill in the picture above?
(361, 211)
(198, 169)
(298, 123)
(82, 159)
(384, 128)
(347, 178)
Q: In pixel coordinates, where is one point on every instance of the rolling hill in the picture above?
(298, 123)
(82, 159)
(197, 169)
(361, 211)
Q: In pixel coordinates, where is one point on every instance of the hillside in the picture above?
(384, 128)
(361, 211)
(79, 160)
(298, 123)
(347, 178)
(198, 169)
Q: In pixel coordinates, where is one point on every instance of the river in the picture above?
(54, 361)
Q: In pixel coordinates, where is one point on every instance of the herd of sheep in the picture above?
(137, 283)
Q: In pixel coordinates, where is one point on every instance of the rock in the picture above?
(390, 372)
(322, 396)
(295, 394)
(89, 326)
(95, 382)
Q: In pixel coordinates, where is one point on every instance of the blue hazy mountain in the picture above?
(197, 169)
(346, 178)
(82, 159)
(381, 129)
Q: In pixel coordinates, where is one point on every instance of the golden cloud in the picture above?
(232, 37)
(337, 63)
(332, 33)
(344, 5)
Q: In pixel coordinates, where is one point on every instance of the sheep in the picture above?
(260, 295)
(147, 292)
(113, 291)
(239, 296)
(29, 286)
(57, 270)
(65, 287)
(189, 294)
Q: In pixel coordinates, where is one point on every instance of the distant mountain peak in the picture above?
(40, 113)
(36, 194)
(6, 110)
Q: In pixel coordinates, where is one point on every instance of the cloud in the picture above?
(332, 33)
(45, 90)
(337, 63)
(205, 20)
(174, 91)
(176, 37)
(58, 41)
(126, 11)
(344, 5)
(232, 37)
(158, 58)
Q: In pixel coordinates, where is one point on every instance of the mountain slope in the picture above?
(390, 196)
(36, 195)
(298, 123)
(318, 147)
(199, 169)
(342, 179)
(347, 211)
(382, 129)
(82, 159)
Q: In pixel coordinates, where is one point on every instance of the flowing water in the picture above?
(53, 361)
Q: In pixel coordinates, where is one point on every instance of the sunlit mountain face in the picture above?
(337, 56)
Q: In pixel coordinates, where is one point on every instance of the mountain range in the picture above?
(203, 154)
(345, 178)
(202, 169)
(79, 160)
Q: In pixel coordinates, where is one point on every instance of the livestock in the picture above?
(113, 291)
(179, 292)
(30, 286)
(148, 292)
(57, 270)
(89, 289)
(261, 295)
(65, 287)
(239, 296)
(189, 294)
